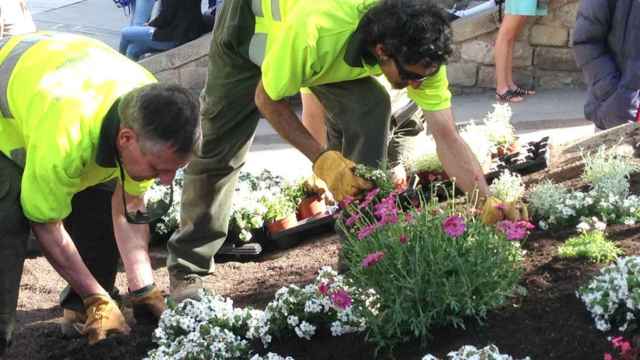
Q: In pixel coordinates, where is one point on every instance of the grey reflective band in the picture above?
(257, 48)
(7, 66)
(256, 7)
(275, 10)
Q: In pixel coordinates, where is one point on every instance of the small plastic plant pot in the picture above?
(311, 206)
(277, 226)
(503, 151)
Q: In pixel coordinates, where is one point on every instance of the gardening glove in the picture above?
(148, 304)
(337, 172)
(495, 210)
(103, 317)
(314, 184)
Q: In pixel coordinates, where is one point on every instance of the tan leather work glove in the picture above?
(149, 306)
(495, 210)
(314, 184)
(103, 317)
(337, 172)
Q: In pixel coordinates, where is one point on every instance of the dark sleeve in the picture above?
(613, 97)
(167, 14)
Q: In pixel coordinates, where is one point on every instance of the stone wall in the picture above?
(542, 56)
(185, 65)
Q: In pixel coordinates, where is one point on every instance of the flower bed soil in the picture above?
(549, 323)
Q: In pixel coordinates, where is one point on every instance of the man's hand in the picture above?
(103, 317)
(148, 306)
(495, 210)
(337, 172)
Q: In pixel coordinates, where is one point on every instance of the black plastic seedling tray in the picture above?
(305, 228)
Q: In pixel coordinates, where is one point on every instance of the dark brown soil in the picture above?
(548, 323)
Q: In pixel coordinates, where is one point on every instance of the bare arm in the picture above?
(456, 156)
(132, 240)
(63, 255)
(287, 124)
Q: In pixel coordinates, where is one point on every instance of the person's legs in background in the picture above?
(505, 41)
(138, 40)
(141, 12)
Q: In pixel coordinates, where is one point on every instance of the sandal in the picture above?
(522, 91)
(509, 96)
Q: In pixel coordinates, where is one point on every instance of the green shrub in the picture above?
(429, 269)
(592, 245)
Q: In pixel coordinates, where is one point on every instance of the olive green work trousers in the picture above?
(358, 124)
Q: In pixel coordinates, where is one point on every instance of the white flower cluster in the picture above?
(213, 329)
(483, 140)
(469, 352)
(613, 296)
(297, 310)
(248, 210)
(206, 329)
(156, 193)
(497, 125)
(507, 187)
(608, 198)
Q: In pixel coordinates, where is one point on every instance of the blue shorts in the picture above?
(524, 7)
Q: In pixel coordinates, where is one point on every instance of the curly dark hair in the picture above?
(416, 32)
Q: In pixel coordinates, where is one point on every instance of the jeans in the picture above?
(135, 41)
(141, 12)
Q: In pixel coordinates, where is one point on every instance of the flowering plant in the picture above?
(387, 251)
(469, 352)
(613, 296)
(170, 221)
(248, 211)
(213, 328)
(624, 348)
(507, 187)
(608, 197)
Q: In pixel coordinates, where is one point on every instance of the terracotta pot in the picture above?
(506, 150)
(282, 224)
(311, 206)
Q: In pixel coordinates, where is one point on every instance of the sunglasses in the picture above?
(408, 75)
(150, 215)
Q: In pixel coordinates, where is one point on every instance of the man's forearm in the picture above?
(133, 243)
(63, 255)
(286, 123)
(456, 156)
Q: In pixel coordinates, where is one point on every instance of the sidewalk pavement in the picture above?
(554, 113)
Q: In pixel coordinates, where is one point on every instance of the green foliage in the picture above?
(426, 278)
(278, 207)
(592, 245)
(295, 191)
(379, 177)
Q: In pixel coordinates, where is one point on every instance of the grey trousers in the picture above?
(358, 126)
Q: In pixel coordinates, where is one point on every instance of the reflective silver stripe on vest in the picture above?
(257, 48)
(256, 7)
(7, 66)
(275, 10)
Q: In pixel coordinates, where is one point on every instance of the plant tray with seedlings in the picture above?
(310, 226)
(528, 159)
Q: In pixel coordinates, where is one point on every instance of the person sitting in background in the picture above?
(178, 22)
(605, 43)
